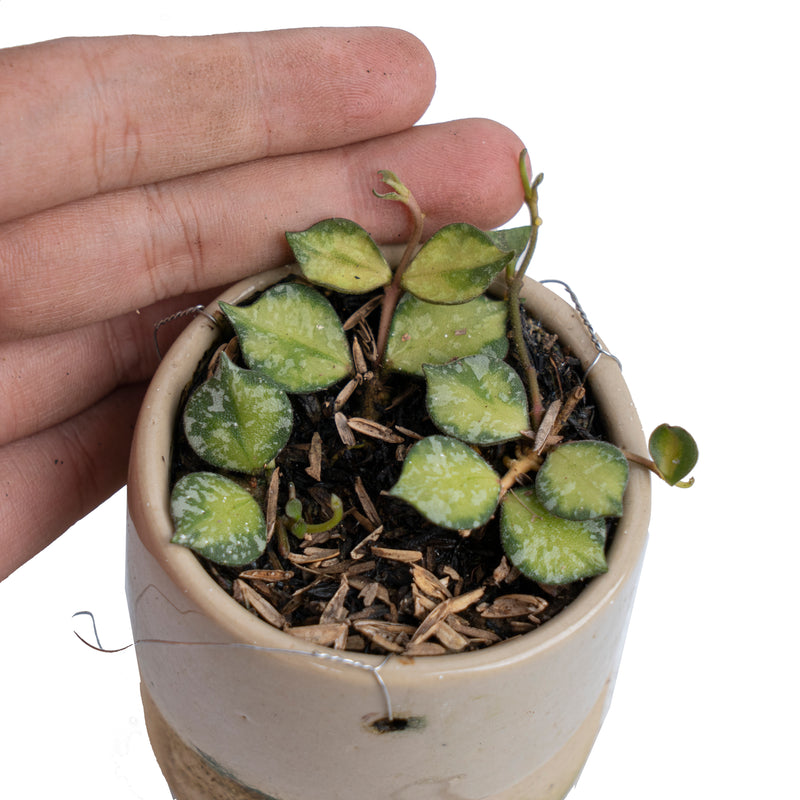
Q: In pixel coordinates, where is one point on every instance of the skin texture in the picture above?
(140, 174)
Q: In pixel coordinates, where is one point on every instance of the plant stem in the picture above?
(393, 292)
(651, 465)
(528, 461)
(528, 370)
(642, 461)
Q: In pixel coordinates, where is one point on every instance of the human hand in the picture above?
(139, 174)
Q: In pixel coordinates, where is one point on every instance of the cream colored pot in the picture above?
(238, 709)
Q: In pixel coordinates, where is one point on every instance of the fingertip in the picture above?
(463, 171)
(396, 66)
(418, 61)
(491, 180)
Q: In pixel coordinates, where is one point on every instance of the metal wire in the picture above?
(336, 659)
(198, 309)
(601, 351)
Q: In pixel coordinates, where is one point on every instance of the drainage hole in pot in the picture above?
(387, 725)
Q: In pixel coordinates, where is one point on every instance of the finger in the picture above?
(104, 256)
(84, 116)
(50, 480)
(46, 380)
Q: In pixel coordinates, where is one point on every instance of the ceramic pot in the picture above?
(238, 709)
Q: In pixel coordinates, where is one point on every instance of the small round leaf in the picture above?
(547, 548)
(455, 265)
(674, 452)
(479, 399)
(583, 480)
(218, 519)
(340, 254)
(448, 483)
(238, 419)
(293, 335)
(428, 333)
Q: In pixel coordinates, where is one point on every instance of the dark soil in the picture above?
(336, 588)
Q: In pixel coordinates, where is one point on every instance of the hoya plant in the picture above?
(497, 455)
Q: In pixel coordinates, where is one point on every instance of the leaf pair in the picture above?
(292, 340)
(455, 265)
(555, 532)
(475, 400)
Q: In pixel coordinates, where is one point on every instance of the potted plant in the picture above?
(451, 684)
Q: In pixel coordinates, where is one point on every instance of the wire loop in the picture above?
(601, 351)
(194, 310)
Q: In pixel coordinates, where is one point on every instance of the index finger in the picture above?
(83, 116)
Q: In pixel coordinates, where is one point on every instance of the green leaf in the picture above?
(448, 483)
(455, 265)
(427, 333)
(293, 335)
(479, 399)
(238, 419)
(674, 452)
(340, 254)
(547, 548)
(218, 519)
(511, 239)
(583, 480)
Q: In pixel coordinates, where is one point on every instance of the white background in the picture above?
(669, 140)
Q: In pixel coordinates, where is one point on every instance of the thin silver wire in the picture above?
(336, 659)
(601, 351)
(198, 309)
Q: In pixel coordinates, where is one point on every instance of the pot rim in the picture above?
(148, 494)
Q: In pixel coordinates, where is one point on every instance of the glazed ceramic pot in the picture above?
(238, 709)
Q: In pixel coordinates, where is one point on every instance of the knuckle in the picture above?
(173, 252)
(127, 344)
(113, 134)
